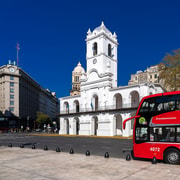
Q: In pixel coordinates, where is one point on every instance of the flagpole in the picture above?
(17, 47)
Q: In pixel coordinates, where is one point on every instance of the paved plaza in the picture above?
(38, 164)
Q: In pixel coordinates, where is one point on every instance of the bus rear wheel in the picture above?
(172, 156)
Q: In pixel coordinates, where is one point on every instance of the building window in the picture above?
(11, 109)
(76, 78)
(150, 76)
(109, 50)
(11, 102)
(11, 84)
(11, 96)
(155, 76)
(11, 90)
(94, 49)
(11, 77)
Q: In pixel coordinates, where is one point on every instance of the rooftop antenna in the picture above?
(17, 48)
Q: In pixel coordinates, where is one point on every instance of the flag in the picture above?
(17, 47)
(112, 48)
(67, 108)
(91, 105)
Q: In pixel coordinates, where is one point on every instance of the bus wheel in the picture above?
(172, 156)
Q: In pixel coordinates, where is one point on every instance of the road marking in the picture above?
(105, 147)
(68, 144)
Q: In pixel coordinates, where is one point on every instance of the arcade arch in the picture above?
(117, 101)
(118, 124)
(77, 125)
(66, 126)
(94, 125)
(134, 99)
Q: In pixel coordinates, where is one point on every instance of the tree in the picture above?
(42, 119)
(169, 71)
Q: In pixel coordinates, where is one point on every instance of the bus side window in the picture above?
(168, 134)
(142, 133)
(160, 107)
(178, 134)
(178, 105)
(155, 134)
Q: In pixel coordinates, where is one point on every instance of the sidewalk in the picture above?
(36, 164)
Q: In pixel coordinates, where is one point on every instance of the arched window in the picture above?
(94, 103)
(76, 106)
(118, 101)
(66, 107)
(134, 99)
(109, 50)
(94, 49)
(76, 78)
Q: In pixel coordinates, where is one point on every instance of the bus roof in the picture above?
(162, 94)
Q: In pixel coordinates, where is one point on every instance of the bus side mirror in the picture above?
(124, 125)
(124, 122)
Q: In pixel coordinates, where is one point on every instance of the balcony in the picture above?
(101, 109)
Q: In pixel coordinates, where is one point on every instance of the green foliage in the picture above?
(169, 70)
(42, 119)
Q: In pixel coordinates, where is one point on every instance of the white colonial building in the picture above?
(101, 106)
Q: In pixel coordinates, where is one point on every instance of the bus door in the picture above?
(142, 147)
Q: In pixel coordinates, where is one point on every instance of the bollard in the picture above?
(128, 157)
(71, 151)
(58, 149)
(106, 155)
(9, 145)
(154, 160)
(45, 148)
(22, 146)
(87, 153)
(33, 146)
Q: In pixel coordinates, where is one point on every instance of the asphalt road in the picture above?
(96, 145)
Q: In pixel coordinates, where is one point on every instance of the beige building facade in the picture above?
(150, 75)
(21, 96)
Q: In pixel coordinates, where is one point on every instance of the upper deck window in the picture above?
(160, 104)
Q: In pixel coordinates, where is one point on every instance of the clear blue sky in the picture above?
(52, 34)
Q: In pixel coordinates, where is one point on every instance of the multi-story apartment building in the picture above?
(21, 97)
(151, 74)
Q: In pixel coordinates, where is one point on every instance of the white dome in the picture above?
(78, 69)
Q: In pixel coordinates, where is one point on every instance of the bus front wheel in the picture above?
(172, 156)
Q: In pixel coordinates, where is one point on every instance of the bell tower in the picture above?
(76, 76)
(101, 53)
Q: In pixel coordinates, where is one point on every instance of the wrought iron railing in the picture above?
(100, 108)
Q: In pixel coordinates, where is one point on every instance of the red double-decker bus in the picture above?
(156, 132)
